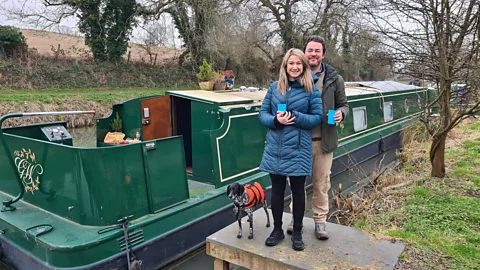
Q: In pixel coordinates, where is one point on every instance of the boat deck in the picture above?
(196, 188)
(349, 248)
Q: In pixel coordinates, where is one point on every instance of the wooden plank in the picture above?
(256, 96)
(347, 248)
(220, 265)
(244, 258)
(220, 98)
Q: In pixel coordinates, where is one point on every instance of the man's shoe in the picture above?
(275, 237)
(290, 227)
(297, 241)
(321, 231)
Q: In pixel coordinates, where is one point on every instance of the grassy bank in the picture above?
(39, 72)
(95, 90)
(438, 219)
(98, 99)
(105, 98)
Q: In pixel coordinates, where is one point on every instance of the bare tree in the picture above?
(106, 24)
(294, 20)
(156, 33)
(435, 40)
(193, 20)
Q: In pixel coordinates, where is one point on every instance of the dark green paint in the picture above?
(241, 140)
(70, 245)
(205, 117)
(374, 105)
(130, 112)
(89, 188)
(102, 185)
(166, 174)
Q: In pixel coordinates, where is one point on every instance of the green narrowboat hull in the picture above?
(171, 185)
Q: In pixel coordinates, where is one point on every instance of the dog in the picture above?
(244, 199)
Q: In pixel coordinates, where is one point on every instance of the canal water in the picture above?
(86, 137)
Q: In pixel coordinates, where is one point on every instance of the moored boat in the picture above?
(145, 204)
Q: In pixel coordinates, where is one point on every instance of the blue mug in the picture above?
(282, 107)
(331, 113)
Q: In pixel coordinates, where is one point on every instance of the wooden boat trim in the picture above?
(211, 97)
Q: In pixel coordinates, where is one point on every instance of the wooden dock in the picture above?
(347, 248)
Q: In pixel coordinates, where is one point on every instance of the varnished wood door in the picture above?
(159, 120)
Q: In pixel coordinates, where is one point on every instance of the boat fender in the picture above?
(382, 144)
(136, 265)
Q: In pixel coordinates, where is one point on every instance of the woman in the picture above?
(288, 151)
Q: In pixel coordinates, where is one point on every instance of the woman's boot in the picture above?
(297, 242)
(275, 237)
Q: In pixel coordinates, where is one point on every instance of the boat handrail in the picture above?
(8, 202)
(55, 113)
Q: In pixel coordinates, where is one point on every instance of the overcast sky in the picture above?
(29, 5)
(68, 25)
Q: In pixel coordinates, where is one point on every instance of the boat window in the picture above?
(387, 111)
(359, 118)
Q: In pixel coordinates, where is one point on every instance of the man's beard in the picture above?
(317, 63)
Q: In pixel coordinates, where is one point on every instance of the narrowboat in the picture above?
(149, 202)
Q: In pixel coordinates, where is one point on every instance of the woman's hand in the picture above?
(285, 118)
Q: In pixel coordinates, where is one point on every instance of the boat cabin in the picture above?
(191, 143)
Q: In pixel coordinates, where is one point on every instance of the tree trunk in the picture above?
(437, 150)
(437, 157)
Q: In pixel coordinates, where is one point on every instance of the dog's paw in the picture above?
(268, 225)
(239, 236)
(250, 236)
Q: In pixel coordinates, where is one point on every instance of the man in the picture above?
(324, 136)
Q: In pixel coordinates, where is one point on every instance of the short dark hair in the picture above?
(318, 39)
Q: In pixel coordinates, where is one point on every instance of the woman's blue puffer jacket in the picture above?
(288, 150)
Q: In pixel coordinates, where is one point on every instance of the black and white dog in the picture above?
(244, 199)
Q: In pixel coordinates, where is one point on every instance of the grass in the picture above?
(416, 131)
(101, 97)
(438, 219)
(445, 223)
(95, 90)
(98, 99)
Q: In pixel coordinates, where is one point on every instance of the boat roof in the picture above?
(383, 86)
(221, 98)
(372, 87)
(228, 99)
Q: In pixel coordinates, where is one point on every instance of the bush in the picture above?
(48, 73)
(205, 73)
(12, 42)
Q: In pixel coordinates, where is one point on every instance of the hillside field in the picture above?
(71, 46)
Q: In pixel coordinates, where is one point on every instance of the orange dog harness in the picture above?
(255, 194)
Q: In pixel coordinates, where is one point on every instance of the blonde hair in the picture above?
(306, 79)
